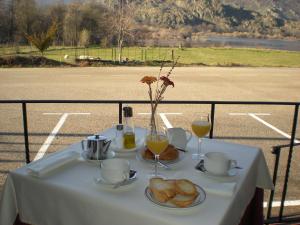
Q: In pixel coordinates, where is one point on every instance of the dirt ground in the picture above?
(246, 124)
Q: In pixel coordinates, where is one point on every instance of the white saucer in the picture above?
(84, 156)
(114, 146)
(230, 173)
(102, 182)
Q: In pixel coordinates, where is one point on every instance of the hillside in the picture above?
(261, 17)
(149, 22)
(289, 9)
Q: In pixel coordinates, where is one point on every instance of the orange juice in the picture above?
(201, 128)
(157, 144)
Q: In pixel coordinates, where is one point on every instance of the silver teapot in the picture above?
(96, 147)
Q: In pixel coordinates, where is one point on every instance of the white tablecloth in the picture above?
(70, 196)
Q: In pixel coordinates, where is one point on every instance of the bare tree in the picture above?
(12, 26)
(25, 15)
(3, 21)
(57, 13)
(85, 38)
(124, 24)
(71, 25)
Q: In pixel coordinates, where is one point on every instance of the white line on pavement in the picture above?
(54, 132)
(244, 114)
(165, 120)
(163, 113)
(272, 127)
(286, 203)
(71, 113)
(51, 136)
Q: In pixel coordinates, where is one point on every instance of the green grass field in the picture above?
(212, 56)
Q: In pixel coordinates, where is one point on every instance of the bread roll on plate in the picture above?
(161, 189)
(183, 200)
(185, 187)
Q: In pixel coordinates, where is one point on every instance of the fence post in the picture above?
(286, 180)
(25, 127)
(173, 55)
(276, 152)
(142, 54)
(120, 113)
(159, 53)
(212, 117)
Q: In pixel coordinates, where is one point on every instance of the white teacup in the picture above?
(179, 137)
(115, 170)
(218, 163)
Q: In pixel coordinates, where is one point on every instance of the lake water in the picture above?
(222, 41)
(291, 45)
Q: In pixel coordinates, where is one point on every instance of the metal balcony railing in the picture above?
(276, 150)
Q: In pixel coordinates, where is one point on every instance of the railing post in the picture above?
(276, 151)
(286, 179)
(212, 117)
(120, 113)
(24, 111)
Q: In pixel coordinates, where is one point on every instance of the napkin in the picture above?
(45, 165)
(224, 189)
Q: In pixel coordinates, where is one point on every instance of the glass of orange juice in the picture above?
(157, 143)
(201, 127)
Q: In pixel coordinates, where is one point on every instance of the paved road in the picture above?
(262, 126)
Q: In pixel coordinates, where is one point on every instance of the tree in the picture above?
(11, 23)
(124, 23)
(43, 40)
(25, 15)
(85, 38)
(3, 21)
(57, 13)
(71, 24)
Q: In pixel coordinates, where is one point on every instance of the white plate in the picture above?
(200, 199)
(114, 146)
(101, 181)
(231, 173)
(84, 156)
(141, 152)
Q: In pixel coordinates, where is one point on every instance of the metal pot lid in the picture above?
(97, 137)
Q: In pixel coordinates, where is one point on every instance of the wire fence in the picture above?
(63, 53)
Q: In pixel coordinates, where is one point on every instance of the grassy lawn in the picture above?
(217, 56)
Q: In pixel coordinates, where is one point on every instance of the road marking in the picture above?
(54, 132)
(164, 118)
(51, 136)
(272, 127)
(245, 114)
(286, 203)
(162, 113)
(255, 116)
(70, 113)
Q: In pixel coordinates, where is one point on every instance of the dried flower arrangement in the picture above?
(162, 83)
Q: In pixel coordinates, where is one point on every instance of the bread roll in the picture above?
(161, 189)
(185, 187)
(183, 200)
(171, 153)
(181, 193)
